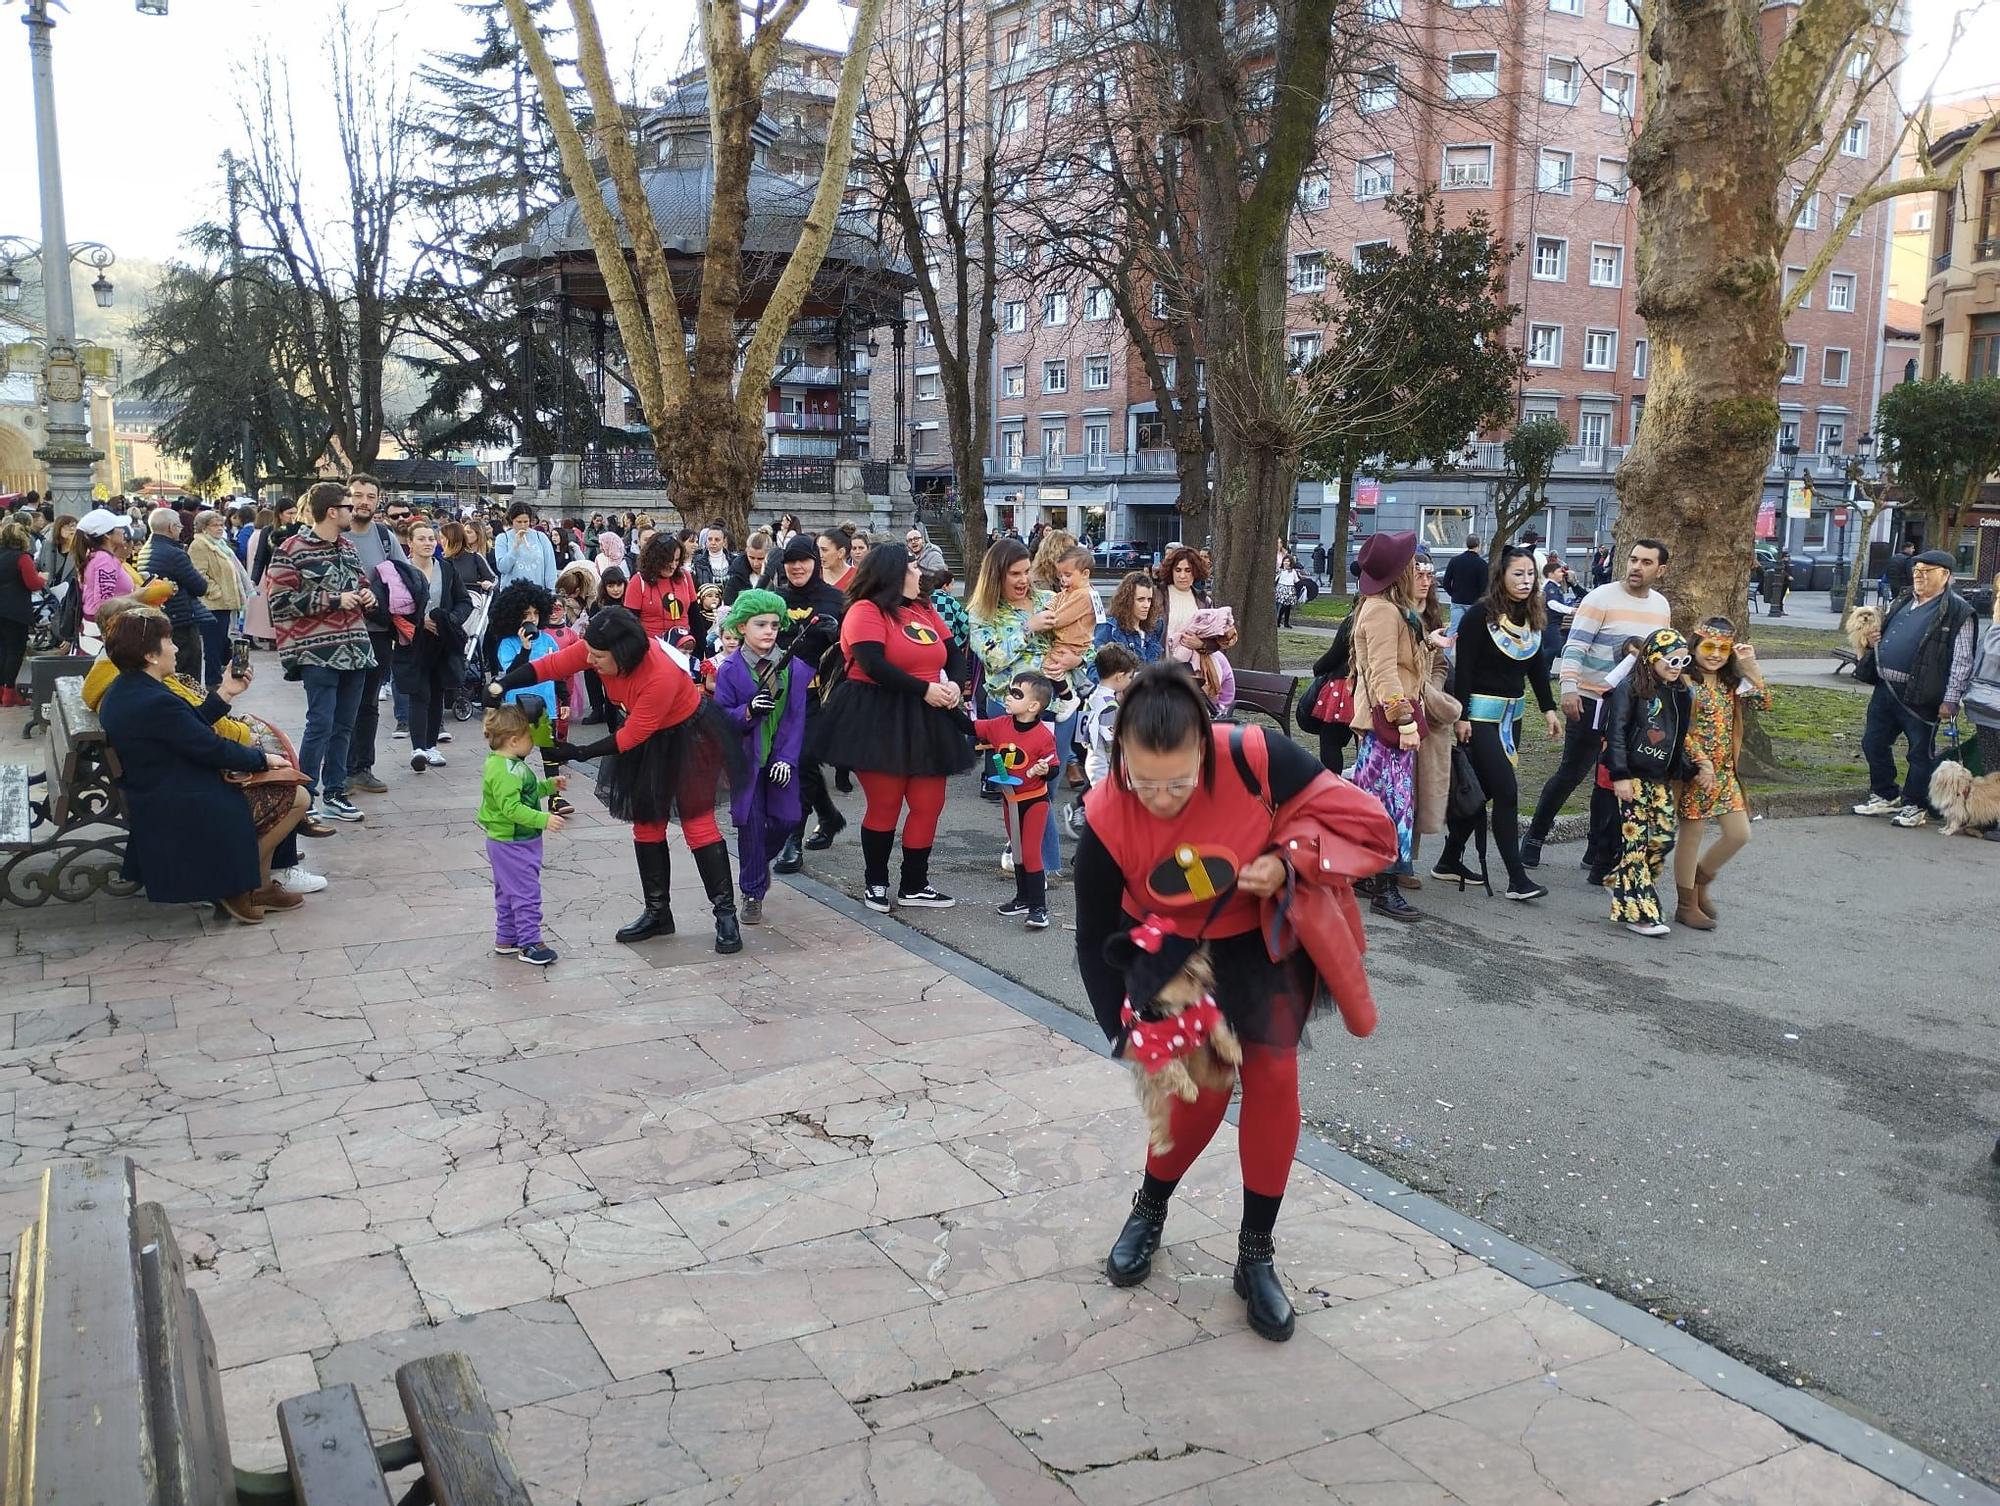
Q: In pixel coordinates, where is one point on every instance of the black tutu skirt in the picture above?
(876, 731)
(1266, 1003)
(679, 769)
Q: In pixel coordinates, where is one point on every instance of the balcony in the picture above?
(1986, 250)
(806, 376)
(808, 423)
(1058, 467)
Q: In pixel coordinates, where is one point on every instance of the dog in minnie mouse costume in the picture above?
(1175, 1037)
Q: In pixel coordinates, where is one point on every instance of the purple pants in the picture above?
(758, 843)
(517, 891)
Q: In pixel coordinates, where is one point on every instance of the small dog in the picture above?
(1963, 800)
(1863, 627)
(1177, 1039)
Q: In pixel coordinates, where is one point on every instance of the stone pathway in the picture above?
(817, 1223)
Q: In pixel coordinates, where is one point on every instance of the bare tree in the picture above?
(1727, 119)
(337, 271)
(704, 404)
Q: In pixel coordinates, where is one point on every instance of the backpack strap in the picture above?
(1239, 756)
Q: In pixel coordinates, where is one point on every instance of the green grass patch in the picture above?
(1323, 608)
(1780, 642)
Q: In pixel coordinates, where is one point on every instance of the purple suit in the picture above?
(764, 813)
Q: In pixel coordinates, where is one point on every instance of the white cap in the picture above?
(100, 521)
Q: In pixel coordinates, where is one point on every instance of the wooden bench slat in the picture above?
(179, 1354)
(17, 816)
(1272, 694)
(465, 1461)
(20, 1371)
(328, 1450)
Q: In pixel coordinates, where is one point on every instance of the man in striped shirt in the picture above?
(1628, 608)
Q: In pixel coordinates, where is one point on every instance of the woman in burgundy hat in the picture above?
(1391, 660)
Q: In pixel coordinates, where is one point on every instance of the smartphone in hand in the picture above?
(239, 658)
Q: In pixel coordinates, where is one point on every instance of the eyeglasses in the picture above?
(1162, 786)
(1680, 660)
(1718, 645)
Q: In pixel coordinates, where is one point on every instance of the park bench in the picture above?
(1272, 694)
(1844, 658)
(54, 844)
(111, 1392)
(44, 671)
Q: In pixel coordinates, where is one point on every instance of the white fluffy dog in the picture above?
(1963, 800)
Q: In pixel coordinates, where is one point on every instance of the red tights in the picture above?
(889, 793)
(699, 829)
(1267, 1132)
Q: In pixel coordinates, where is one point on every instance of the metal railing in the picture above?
(1940, 263)
(804, 423)
(1088, 463)
(796, 474)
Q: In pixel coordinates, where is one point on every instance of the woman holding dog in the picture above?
(1196, 827)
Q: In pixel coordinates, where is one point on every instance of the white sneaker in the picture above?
(434, 758)
(1653, 928)
(444, 737)
(401, 732)
(1911, 815)
(1007, 860)
(298, 880)
(1876, 805)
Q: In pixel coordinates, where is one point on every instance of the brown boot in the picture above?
(242, 907)
(1688, 913)
(1703, 877)
(271, 897)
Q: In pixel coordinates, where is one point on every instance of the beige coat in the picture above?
(1389, 662)
(217, 564)
(1434, 752)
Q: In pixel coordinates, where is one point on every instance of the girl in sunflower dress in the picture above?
(1726, 674)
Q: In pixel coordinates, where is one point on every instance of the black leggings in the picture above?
(13, 649)
(1503, 795)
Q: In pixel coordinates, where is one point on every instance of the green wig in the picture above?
(754, 604)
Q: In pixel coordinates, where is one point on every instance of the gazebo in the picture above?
(859, 288)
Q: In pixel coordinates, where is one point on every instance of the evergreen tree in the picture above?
(491, 169)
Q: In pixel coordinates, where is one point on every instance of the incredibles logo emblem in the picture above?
(1190, 875)
(1012, 758)
(916, 632)
(673, 609)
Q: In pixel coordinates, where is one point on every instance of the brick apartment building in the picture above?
(1523, 109)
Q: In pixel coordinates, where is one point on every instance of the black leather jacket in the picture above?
(1646, 738)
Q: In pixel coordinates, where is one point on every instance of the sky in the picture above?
(146, 105)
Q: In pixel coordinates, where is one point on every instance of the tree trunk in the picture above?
(1707, 167)
(1343, 525)
(711, 460)
(1191, 467)
(968, 460)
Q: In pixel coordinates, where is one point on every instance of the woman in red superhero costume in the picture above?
(1224, 836)
(662, 592)
(665, 759)
(895, 720)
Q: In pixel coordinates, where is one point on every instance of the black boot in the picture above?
(1257, 1283)
(712, 863)
(1389, 900)
(790, 858)
(1131, 1259)
(654, 871)
(831, 823)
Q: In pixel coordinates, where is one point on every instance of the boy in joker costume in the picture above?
(764, 693)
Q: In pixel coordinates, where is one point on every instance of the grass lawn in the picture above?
(1323, 608)
(1781, 642)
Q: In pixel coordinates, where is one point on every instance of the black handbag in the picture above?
(1468, 796)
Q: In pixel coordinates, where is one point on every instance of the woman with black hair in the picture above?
(1503, 653)
(661, 591)
(1195, 828)
(896, 721)
(665, 760)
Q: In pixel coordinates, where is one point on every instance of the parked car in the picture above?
(1119, 558)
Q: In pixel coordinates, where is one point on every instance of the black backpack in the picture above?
(1339, 660)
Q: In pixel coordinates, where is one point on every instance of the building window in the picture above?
(1468, 166)
(1832, 435)
(1617, 89)
(1305, 348)
(1096, 373)
(1556, 171)
(1377, 11)
(927, 389)
(1059, 27)
(1840, 292)
(1309, 272)
(1013, 443)
(1096, 443)
(924, 335)
(1014, 117)
(1097, 304)
(1378, 91)
(1062, 99)
(1795, 364)
(1792, 277)
(1805, 211)
(1833, 366)
(1014, 252)
(1562, 81)
(1159, 300)
(1366, 251)
(1854, 140)
(1055, 308)
(921, 436)
(1607, 265)
(1014, 316)
(1013, 381)
(1983, 353)
(1621, 13)
(1857, 63)
(1612, 184)
(1788, 434)
(1545, 344)
(1593, 432)
(1315, 192)
(1842, 202)
(1375, 177)
(1017, 44)
(1641, 360)
(1055, 376)
(1551, 258)
(1055, 440)
(1566, 7)
(1600, 349)
(1473, 75)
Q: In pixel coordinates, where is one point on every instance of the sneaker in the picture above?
(340, 808)
(1014, 909)
(434, 758)
(402, 730)
(418, 763)
(876, 898)
(444, 737)
(537, 955)
(1879, 805)
(926, 898)
(298, 879)
(1057, 876)
(365, 781)
(505, 951)
(1526, 889)
(1038, 920)
(1007, 860)
(1911, 815)
(1531, 852)
(1648, 927)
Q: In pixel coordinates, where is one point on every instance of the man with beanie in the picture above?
(1920, 662)
(813, 610)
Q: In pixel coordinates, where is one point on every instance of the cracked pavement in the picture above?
(820, 1222)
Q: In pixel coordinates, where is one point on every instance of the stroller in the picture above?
(472, 673)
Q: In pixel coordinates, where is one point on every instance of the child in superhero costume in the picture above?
(763, 691)
(1025, 749)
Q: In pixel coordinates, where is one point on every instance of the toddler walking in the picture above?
(1025, 749)
(510, 813)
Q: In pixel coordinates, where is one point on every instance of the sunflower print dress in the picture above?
(1712, 736)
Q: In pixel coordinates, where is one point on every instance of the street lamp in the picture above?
(10, 286)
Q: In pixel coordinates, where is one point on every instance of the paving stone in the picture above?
(503, 1267)
(1802, 1476)
(276, 1313)
(250, 1397)
(1355, 1471)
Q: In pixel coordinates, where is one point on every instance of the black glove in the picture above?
(763, 703)
(520, 674)
(569, 752)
